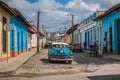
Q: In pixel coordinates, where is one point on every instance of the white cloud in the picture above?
(56, 13)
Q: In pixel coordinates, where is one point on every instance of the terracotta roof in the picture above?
(8, 9)
(20, 16)
(116, 7)
(72, 29)
(32, 28)
(42, 33)
(13, 11)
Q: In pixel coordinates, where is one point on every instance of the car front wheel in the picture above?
(69, 62)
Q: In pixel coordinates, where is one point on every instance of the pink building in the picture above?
(32, 37)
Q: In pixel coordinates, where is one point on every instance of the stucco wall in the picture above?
(34, 40)
(7, 16)
(20, 43)
(110, 20)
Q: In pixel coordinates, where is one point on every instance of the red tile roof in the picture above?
(73, 28)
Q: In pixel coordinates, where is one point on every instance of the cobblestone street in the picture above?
(39, 66)
(82, 63)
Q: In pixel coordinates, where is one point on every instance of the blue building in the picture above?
(89, 30)
(18, 34)
(111, 28)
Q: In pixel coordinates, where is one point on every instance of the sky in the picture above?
(56, 14)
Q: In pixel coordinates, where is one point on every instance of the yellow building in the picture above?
(5, 12)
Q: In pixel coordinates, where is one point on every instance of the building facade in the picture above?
(5, 13)
(89, 31)
(18, 36)
(111, 28)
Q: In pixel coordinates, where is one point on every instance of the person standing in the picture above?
(96, 48)
(104, 46)
(91, 48)
(84, 45)
(91, 45)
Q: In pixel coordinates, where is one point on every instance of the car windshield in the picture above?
(59, 46)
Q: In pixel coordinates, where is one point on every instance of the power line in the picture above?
(64, 23)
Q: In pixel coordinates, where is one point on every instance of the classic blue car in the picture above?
(59, 51)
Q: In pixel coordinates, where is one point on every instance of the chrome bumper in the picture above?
(56, 59)
(61, 58)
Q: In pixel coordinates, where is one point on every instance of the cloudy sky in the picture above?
(56, 13)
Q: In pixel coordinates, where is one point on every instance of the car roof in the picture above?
(59, 43)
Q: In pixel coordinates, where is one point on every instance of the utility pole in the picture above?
(38, 36)
(65, 28)
(72, 27)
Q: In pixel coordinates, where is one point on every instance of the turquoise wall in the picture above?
(88, 36)
(88, 31)
(18, 34)
(111, 20)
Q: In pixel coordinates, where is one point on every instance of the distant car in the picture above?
(59, 51)
(77, 48)
(70, 46)
(47, 45)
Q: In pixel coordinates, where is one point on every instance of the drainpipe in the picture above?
(7, 46)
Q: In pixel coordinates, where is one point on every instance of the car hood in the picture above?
(57, 51)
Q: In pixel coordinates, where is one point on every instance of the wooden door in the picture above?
(118, 35)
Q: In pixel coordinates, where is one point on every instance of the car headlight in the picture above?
(71, 53)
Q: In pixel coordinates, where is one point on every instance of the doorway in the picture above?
(110, 39)
(118, 32)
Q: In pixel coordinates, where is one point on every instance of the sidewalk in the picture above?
(14, 63)
(112, 56)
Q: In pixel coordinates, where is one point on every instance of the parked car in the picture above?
(70, 46)
(47, 44)
(59, 51)
(77, 48)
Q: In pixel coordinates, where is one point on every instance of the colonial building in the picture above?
(5, 13)
(32, 37)
(18, 34)
(111, 28)
(14, 32)
(70, 35)
(43, 38)
(88, 30)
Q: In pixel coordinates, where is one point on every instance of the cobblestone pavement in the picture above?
(82, 63)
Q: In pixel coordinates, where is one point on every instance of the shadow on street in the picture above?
(105, 77)
(44, 60)
(84, 58)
